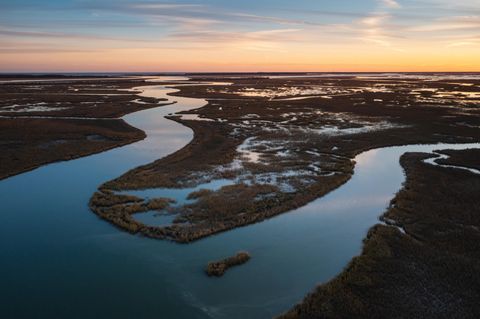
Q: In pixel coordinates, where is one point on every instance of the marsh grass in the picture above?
(218, 268)
(432, 271)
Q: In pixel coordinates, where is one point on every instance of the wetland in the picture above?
(295, 170)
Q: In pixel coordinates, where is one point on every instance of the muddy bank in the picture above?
(426, 264)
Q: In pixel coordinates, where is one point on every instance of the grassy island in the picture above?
(218, 268)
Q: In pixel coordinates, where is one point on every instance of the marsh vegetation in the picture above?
(45, 122)
(429, 270)
(280, 152)
(218, 268)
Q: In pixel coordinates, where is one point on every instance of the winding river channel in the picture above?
(59, 260)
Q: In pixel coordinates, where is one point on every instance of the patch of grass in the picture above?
(218, 268)
(462, 158)
(159, 203)
(199, 194)
(118, 209)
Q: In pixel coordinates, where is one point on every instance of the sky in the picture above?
(240, 36)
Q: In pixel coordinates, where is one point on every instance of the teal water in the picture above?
(59, 260)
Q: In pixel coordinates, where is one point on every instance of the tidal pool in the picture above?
(59, 260)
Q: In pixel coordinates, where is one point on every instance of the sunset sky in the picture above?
(248, 35)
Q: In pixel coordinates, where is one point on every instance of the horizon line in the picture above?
(223, 72)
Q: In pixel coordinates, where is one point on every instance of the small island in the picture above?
(218, 268)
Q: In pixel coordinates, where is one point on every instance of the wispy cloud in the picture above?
(391, 4)
(165, 6)
(463, 44)
(60, 35)
(183, 29)
(449, 24)
(374, 29)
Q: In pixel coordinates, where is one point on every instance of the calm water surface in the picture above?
(58, 260)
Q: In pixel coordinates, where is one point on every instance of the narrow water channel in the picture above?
(59, 260)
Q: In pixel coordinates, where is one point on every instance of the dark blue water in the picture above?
(58, 260)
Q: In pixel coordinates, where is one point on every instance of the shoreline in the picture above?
(344, 154)
(45, 136)
(214, 146)
(382, 273)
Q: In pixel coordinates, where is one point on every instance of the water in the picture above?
(155, 218)
(179, 195)
(59, 260)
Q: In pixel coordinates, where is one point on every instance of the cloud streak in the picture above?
(391, 4)
(247, 31)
